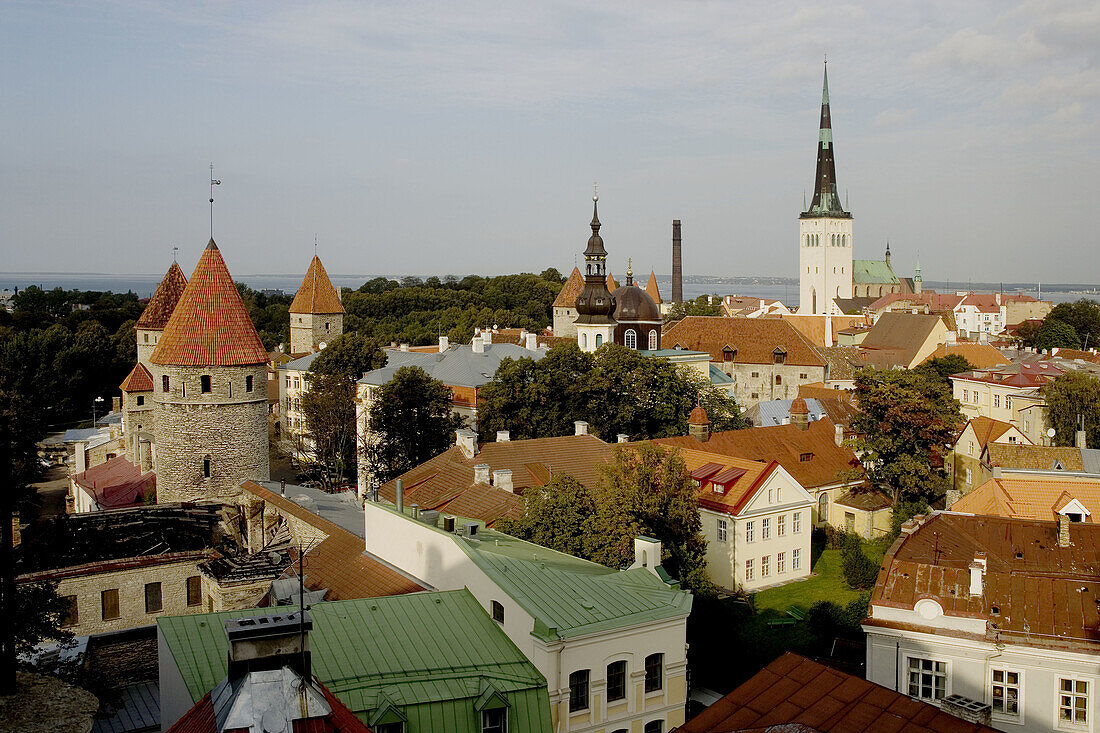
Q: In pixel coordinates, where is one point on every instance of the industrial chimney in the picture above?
(677, 265)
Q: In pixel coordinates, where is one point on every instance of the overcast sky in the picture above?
(456, 137)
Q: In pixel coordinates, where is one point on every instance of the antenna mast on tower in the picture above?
(213, 182)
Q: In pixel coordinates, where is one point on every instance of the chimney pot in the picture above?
(580, 427)
(444, 344)
(487, 336)
(503, 436)
(404, 347)
(477, 345)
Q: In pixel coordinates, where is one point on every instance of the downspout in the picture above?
(897, 666)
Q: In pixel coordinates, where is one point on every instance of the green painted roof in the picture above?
(432, 654)
(872, 271)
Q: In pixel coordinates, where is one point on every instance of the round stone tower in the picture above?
(209, 373)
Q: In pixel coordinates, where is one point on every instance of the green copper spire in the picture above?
(825, 87)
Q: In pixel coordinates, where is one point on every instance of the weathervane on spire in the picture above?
(595, 191)
(315, 244)
(213, 182)
(175, 249)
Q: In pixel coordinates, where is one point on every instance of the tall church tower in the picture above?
(316, 315)
(209, 374)
(824, 231)
(595, 326)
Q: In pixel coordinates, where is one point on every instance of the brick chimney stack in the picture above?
(677, 265)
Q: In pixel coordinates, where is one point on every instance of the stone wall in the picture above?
(307, 331)
(147, 341)
(228, 425)
(749, 389)
(136, 419)
(232, 596)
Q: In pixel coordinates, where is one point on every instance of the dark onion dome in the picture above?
(633, 305)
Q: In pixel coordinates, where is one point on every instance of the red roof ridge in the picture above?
(316, 293)
(210, 326)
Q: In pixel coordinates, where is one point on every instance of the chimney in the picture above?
(622, 438)
(404, 347)
(1080, 439)
(952, 338)
(580, 427)
(80, 456)
(828, 329)
(503, 436)
(399, 489)
(838, 435)
(258, 643)
(647, 554)
(983, 337)
(481, 473)
(531, 341)
(487, 336)
(478, 345)
(502, 479)
(116, 404)
(1063, 531)
(444, 344)
(466, 440)
(977, 574)
(677, 265)
(145, 455)
(996, 471)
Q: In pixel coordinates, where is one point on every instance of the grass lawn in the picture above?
(826, 584)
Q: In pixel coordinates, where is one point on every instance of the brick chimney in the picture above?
(1063, 531)
(502, 478)
(444, 344)
(466, 440)
(477, 345)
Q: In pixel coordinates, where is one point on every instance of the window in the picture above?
(140, 400)
(765, 530)
(248, 383)
(796, 522)
(1006, 692)
(796, 559)
(494, 721)
(802, 375)
(108, 601)
(778, 379)
(498, 611)
(398, 727)
(805, 457)
(1011, 438)
(71, 617)
(968, 476)
(578, 690)
(153, 601)
(996, 400)
(164, 383)
(204, 383)
(927, 679)
(630, 339)
(823, 508)
(750, 534)
(616, 681)
(653, 340)
(765, 566)
(756, 395)
(194, 591)
(206, 467)
(599, 340)
(756, 374)
(146, 337)
(781, 525)
(1073, 701)
(849, 522)
(654, 726)
(584, 337)
(770, 496)
(723, 536)
(970, 447)
(779, 357)
(654, 672)
(748, 570)
(780, 563)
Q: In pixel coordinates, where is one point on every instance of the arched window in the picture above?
(599, 340)
(630, 339)
(584, 340)
(653, 340)
(823, 508)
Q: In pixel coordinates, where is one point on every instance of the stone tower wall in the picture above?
(147, 341)
(136, 419)
(228, 424)
(307, 331)
(825, 269)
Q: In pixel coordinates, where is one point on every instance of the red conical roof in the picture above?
(159, 308)
(138, 380)
(210, 326)
(652, 290)
(567, 296)
(316, 295)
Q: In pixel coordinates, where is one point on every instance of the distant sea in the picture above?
(768, 288)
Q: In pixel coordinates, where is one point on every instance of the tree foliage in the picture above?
(1055, 334)
(270, 315)
(859, 571)
(329, 409)
(560, 515)
(38, 616)
(410, 421)
(942, 367)
(349, 355)
(1070, 395)
(1082, 315)
(615, 389)
(704, 305)
(906, 420)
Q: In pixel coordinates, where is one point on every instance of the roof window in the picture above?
(805, 457)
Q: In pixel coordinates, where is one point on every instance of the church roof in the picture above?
(633, 305)
(138, 380)
(826, 201)
(316, 294)
(612, 286)
(567, 296)
(210, 326)
(652, 290)
(159, 308)
(872, 272)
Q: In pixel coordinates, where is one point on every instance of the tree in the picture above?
(1071, 395)
(39, 615)
(942, 367)
(906, 420)
(1083, 315)
(704, 305)
(859, 571)
(560, 515)
(410, 421)
(350, 355)
(1026, 333)
(329, 409)
(1056, 334)
(646, 490)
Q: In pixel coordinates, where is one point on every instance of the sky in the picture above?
(465, 137)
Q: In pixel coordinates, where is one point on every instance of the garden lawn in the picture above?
(827, 584)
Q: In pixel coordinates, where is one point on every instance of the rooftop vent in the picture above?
(471, 530)
(967, 709)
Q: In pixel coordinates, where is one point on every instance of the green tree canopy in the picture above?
(410, 421)
(1056, 334)
(329, 409)
(704, 305)
(349, 355)
(1083, 315)
(560, 515)
(942, 367)
(1071, 395)
(906, 420)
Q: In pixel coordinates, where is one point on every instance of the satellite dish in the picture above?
(1050, 432)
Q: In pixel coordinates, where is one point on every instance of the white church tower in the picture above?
(824, 232)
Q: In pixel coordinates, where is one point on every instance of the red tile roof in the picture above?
(138, 380)
(116, 483)
(738, 478)
(1028, 496)
(159, 308)
(612, 286)
(316, 293)
(794, 690)
(986, 429)
(652, 290)
(754, 340)
(567, 296)
(210, 326)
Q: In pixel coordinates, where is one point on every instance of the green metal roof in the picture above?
(872, 272)
(433, 655)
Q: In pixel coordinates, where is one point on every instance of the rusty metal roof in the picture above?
(316, 294)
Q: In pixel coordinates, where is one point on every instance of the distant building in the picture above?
(565, 305)
(316, 313)
(964, 462)
(1008, 394)
(902, 340)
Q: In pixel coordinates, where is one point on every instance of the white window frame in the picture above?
(1019, 686)
(796, 523)
(796, 558)
(766, 566)
(780, 563)
(749, 575)
(1069, 724)
(781, 525)
(765, 530)
(722, 531)
(630, 339)
(750, 533)
(653, 339)
(909, 659)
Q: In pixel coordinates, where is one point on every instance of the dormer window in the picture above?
(719, 489)
(779, 356)
(805, 457)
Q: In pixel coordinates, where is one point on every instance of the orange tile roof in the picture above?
(138, 380)
(652, 290)
(1037, 457)
(897, 338)
(159, 308)
(741, 478)
(827, 464)
(754, 339)
(210, 326)
(980, 356)
(567, 296)
(986, 429)
(612, 286)
(806, 695)
(813, 326)
(316, 293)
(1027, 497)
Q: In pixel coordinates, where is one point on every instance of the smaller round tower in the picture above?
(158, 310)
(316, 314)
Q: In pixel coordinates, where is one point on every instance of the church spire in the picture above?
(826, 200)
